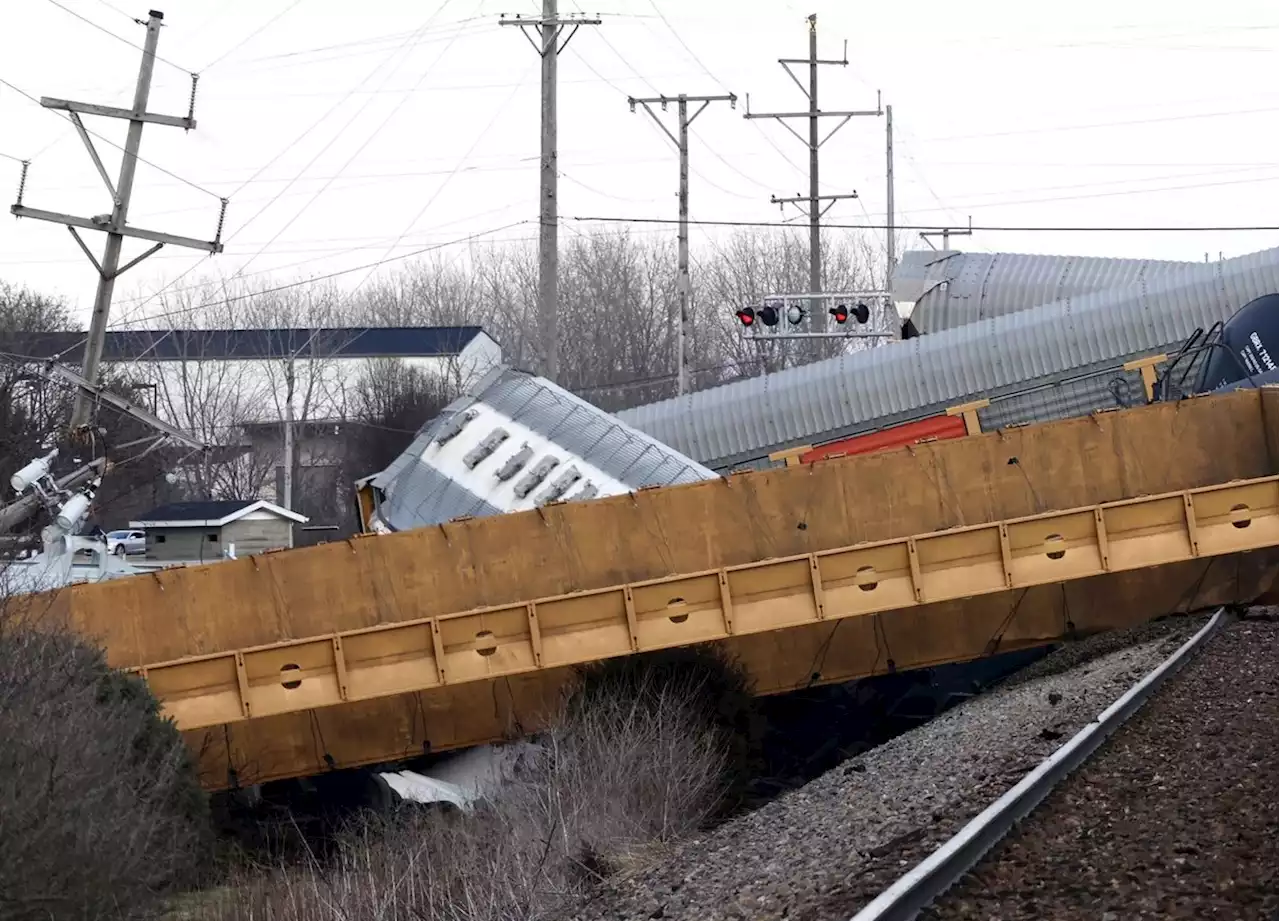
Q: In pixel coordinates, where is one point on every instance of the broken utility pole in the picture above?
(548, 46)
(114, 223)
(817, 319)
(684, 330)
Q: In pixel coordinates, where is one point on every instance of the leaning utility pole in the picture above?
(549, 46)
(684, 331)
(114, 223)
(817, 318)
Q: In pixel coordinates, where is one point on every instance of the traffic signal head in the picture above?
(841, 312)
(746, 316)
(768, 315)
(795, 314)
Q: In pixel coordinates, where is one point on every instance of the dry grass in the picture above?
(637, 758)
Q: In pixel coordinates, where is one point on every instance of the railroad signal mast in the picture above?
(815, 201)
(782, 316)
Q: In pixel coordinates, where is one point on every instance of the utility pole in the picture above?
(549, 26)
(890, 256)
(114, 223)
(946, 233)
(817, 318)
(288, 434)
(684, 328)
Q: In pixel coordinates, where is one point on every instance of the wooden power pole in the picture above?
(549, 27)
(817, 317)
(684, 327)
(109, 269)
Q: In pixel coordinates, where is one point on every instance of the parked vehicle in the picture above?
(122, 543)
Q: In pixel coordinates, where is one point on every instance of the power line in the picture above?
(647, 82)
(252, 35)
(380, 39)
(329, 256)
(337, 136)
(112, 143)
(118, 38)
(697, 60)
(340, 272)
(315, 124)
(463, 159)
(116, 9)
(938, 227)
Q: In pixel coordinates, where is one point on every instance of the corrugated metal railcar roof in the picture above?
(953, 289)
(509, 423)
(745, 421)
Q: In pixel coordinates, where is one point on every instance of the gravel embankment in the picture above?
(823, 851)
(1174, 817)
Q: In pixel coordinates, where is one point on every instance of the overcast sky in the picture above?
(345, 133)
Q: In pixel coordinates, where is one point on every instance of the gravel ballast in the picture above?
(1174, 817)
(824, 850)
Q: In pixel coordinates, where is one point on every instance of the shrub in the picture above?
(100, 811)
(640, 755)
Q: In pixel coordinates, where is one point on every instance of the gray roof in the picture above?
(953, 289)
(484, 455)
(249, 344)
(1051, 345)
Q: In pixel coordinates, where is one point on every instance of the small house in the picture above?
(208, 531)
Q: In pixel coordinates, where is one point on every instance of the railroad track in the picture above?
(1008, 881)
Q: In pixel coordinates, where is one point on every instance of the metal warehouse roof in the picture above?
(250, 344)
(745, 421)
(517, 441)
(953, 289)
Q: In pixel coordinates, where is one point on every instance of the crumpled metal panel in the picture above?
(432, 483)
(742, 422)
(952, 289)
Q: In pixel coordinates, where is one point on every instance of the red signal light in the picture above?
(746, 316)
(840, 312)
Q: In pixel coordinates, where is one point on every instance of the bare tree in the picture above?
(752, 265)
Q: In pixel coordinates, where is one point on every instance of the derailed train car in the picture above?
(1045, 361)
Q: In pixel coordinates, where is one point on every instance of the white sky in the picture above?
(1124, 112)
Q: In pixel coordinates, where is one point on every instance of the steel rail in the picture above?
(930, 879)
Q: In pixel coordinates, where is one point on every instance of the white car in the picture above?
(122, 543)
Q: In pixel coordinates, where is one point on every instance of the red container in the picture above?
(934, 428)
